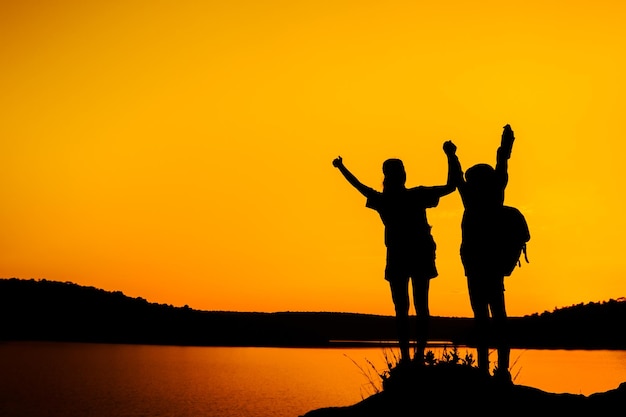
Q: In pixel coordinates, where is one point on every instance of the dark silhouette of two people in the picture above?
(410, 244)
(411, 248)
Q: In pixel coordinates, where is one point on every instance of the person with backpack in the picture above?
(410, 244)
(483, 251)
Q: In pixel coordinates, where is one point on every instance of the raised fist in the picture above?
(449, 148)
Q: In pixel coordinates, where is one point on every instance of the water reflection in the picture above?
(65, 379)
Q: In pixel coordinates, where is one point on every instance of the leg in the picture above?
(400, 296)
(420, 299)
(480, 307)
(498, 312)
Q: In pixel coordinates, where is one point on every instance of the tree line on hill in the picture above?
(64, 311)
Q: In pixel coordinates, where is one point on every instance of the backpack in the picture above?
(514, 234)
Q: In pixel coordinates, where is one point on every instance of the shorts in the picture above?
(405, 263)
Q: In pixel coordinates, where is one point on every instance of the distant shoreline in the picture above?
(382, 343)
(61, 311)
(332, 345)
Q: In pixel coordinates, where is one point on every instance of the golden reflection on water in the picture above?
(62, 379)
(571, 371)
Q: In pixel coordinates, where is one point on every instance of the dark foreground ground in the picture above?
(459, 390)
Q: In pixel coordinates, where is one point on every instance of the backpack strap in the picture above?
(525, 255)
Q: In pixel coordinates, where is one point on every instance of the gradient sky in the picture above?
(181, 151)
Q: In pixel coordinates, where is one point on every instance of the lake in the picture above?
(42, 379)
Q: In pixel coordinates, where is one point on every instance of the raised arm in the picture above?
(455, 175)
(362, 188)
(506, 146)
(504, 153)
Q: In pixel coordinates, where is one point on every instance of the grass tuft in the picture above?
(449, 366)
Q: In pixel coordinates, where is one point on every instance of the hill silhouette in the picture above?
(63, 311)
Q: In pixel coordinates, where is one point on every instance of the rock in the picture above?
(456, 390)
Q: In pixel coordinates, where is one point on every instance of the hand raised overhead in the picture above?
(449, 147)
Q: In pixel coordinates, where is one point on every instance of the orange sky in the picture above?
(181, 151)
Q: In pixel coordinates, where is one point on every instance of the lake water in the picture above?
(40, 379)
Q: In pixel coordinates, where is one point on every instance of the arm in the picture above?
(455, 175)
(362, 188)
(504, 153)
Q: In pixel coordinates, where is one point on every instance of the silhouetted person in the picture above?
(410, 244)
(482, 193)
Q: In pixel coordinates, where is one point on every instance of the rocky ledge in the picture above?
(457, 390)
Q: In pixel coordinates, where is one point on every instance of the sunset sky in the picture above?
(181, 151)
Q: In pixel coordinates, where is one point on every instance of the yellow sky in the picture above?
(181, 151)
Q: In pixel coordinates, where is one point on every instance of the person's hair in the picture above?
(479, 173)
(395, 175)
